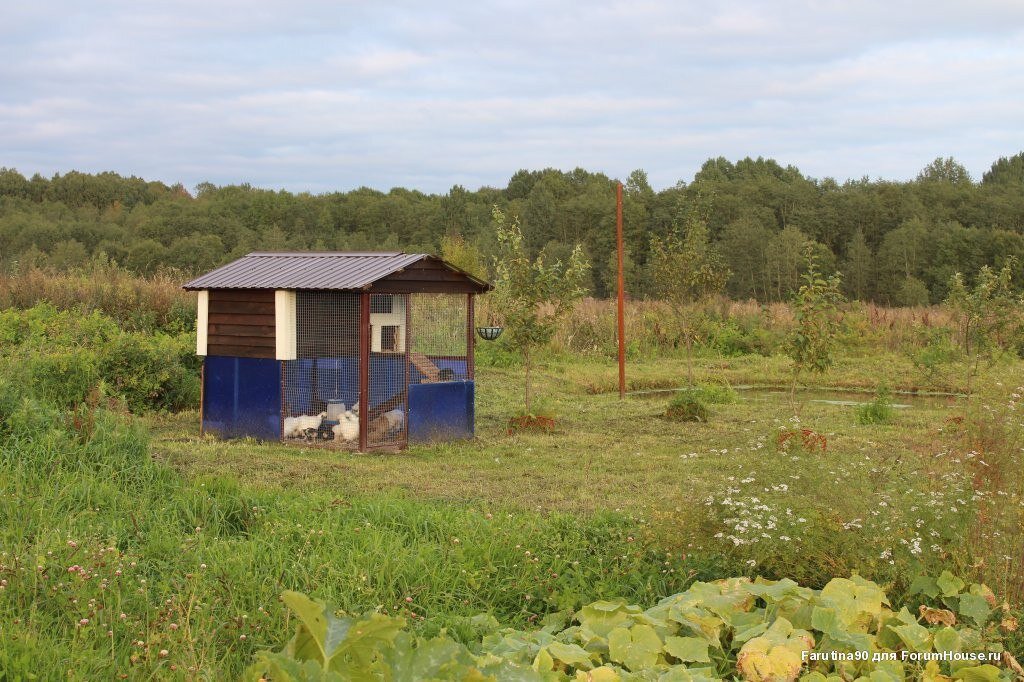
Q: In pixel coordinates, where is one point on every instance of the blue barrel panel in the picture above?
(242, 397)
(441, 411)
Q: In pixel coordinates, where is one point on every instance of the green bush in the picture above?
(63, 376)
(737, 337)
(152, 371)
(715, 394)
(935, 352)
(66, 354)
(687, 406)
(878, 411)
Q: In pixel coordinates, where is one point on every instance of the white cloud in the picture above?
(322, 95)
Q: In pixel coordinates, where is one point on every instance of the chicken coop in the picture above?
(358, 351)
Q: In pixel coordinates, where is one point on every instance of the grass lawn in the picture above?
(604, 453)
(878, 498)
(171, 569)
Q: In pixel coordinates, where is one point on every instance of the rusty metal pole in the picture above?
(470, 339)
(622, 293)
(364, 368)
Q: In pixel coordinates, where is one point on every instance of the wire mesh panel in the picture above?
(438, 336)
(321, 386)
(388, 379)
(441, 388)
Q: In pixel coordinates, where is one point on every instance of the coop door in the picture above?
(323, 380)
(388, 409)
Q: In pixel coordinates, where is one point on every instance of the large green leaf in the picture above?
(322, 631)
(688, 649)
(916, 637)
(637, 648)
(857, 602)
(700, 621)
(602, 617)
(365, 641)
(680, 674)
(974, 607)
(281, 667)
(926, 585)
(949, 584)
(947, 639)
(888, 671)
(433, 659)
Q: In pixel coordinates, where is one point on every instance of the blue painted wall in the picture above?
(442, 411)
(242, 397)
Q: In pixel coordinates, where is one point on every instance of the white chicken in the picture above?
(295, 427)
(347, 428)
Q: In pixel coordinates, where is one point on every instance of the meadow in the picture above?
(131, 547)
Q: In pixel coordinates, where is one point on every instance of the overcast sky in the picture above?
(320, 96)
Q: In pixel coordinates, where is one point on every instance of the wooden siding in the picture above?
(428, 276)
(241, 322)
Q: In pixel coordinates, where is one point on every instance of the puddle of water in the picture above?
(840, 397)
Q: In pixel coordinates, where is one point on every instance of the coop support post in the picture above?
(282, 382)
(202, 396)
(364, 367)
(408, 362)
(470, 341)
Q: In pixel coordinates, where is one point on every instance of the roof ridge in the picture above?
(345, 254)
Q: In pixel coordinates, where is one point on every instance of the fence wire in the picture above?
(439, 346)
(413, 339)
(387, 418)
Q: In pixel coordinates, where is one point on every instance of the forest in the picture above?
(895, 242)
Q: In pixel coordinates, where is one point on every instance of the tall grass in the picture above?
(136, 303)
(113, 564)
(732, 328)
(724, 327)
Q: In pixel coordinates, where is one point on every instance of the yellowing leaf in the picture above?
(570, 654)
(978, 673)
(543, 662)
(775, 656)
(601, 674)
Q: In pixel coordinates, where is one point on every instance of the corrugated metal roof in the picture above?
(309, 270)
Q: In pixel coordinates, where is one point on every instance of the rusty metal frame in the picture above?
(470, 339)
(364, 368)
(408, 362)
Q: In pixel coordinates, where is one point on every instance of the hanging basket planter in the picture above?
(489, 333)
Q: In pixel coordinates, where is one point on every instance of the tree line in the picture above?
(896, 242)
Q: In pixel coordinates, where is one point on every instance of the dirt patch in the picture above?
(530, 422)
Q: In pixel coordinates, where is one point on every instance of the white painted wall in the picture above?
(284, 324)
(202, 321)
